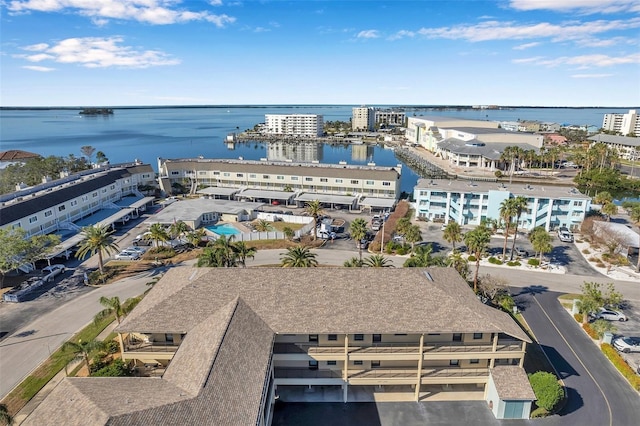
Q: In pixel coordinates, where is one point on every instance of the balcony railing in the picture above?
(305, 373)
(150, 347)
(393, 348)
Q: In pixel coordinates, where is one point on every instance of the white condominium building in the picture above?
(622, 123)
(363, 118)
(308, 125)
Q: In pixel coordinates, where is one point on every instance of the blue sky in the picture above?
(218, 52)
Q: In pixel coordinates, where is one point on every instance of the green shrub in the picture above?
(498, 174)
(578, 317)
(402, 250)
(621, 365)
(533, 262)
(547, 389)
(113, 347)
(602, 326)
(538, 413)
(115, 369)
(514, 263)
(495, 261)
(471, 258)
(590, 331)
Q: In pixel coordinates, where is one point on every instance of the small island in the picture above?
(97, 111)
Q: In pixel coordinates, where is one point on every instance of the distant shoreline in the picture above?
(412, 107)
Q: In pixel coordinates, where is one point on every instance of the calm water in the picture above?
(146, 134)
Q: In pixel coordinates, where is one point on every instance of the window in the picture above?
(294, 177)
(313, 365)
(174, 173)
(85, 198)
(400, 334)
(577, 203)
(457, 337)
(168, 338)
(377, 338)
(239, 174)
(94, 195)
(313, 337)
(332, 337)
(47, 213)
(280, 177)
(265, 176)
(454, 362)
(112, 187)
(73, 203)
(324, 180)
(252, 175)
(33, 219)
(368, 182)
(357, 363)
(354, 181)
(332, 363)
(216, 173)
(61, 208)
(338, 180)
(375, 364)
(386, 183)
(308, 179)
(104, 190)
(358, 337)
(477, 336)
(226, 174)
(474, 361)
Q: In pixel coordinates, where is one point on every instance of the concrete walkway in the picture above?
(49, 387)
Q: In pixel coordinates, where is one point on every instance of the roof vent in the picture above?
(428, 275)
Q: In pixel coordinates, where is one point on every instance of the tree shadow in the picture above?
(574, 402)
(532, 290)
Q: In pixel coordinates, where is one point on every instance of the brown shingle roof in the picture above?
(16, 155)
(512, 383)
(325, 300)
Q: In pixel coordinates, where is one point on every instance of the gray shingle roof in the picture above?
(512, 383)
(323, 300)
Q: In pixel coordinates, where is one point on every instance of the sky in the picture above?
(238, 52)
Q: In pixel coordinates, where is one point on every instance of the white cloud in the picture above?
(583, 61)
(527, 45)
(261, 30)
(583, 6)
(38, 68)
(591, 75)
(157, 12)
(368, 34)
(402, 34)
(95, 52)
(215, 2)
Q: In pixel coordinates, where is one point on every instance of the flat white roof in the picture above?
(263, 193)
(378, 202)
(216, 190)
(191, 210)
(326, 198)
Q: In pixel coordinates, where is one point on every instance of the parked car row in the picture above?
(130, 253)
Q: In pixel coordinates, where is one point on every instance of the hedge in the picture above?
(621, 365)
(590, 331)
(547, 389)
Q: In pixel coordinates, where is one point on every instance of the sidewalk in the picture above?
(48, 388)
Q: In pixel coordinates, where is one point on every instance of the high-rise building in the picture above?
(308, 125)
(622, 123)
(363, 118)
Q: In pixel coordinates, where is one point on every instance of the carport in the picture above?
(331, 200)
(263, 194)
(385, 205)
(138, 204)
(217, 192)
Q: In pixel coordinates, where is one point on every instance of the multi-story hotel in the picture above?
(305, 125)
(622, 123)
(227, 342)
(54, 205)
(470, 202)
(627, 147)
(467, 143)
(386, 118)
(318, 181)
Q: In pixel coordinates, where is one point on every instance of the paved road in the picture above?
(26, 349)
(598, 395)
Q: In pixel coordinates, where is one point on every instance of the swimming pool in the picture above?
(224, 229)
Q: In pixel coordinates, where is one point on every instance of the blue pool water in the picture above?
(224, 229)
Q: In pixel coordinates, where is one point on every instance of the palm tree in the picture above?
(354, 262)
(210, 258)
(195, 237)
(377, 261)
(403, 225)
(82, 350)
(298, 257)
(477, 241)
(113, 307)
(412, 235)
(262, 225)
(243, 251)
(609, 209)
(453, 233)
(541, 241)
(288, 232)
(511, 154)
(158, 233)
(459, 263)
(421, 258)
(225, 250)
(314, 209)
(178, 229)
(96, 240)
(5, 417)
(519, 206)
(358, 230)
(507, 211)
(603, 197)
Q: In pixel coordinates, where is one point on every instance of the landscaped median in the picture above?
(58, 360)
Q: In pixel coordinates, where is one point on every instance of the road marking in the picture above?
(579, 360)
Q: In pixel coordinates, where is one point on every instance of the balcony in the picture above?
(428, 376)
(148, 350)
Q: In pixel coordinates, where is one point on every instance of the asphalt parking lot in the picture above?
(630, 328)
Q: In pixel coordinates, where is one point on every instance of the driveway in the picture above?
(598, 394)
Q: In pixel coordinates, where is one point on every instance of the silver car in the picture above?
(127, 255)
(611, 315)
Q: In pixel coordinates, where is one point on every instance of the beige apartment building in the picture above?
(224, 344)
(313, 178)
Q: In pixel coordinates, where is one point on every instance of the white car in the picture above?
(52, 271)
(565, 235)
(627, 344)
(127, 255)
(135, 249)
(610, 315)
